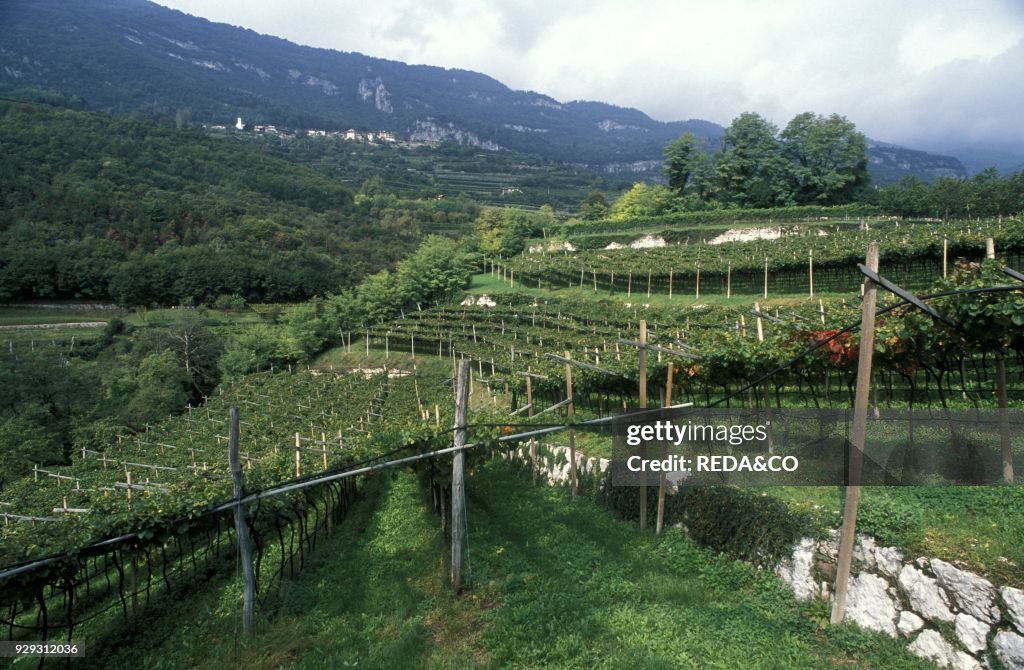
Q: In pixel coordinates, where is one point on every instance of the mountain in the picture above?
(889, 162)
(136, 56)
(1007, 157)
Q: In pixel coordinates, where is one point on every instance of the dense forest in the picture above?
(112, 208)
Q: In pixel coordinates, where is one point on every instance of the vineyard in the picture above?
(805, 258)
(570, 341)
(145, 516)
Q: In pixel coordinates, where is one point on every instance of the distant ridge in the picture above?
(135, 56)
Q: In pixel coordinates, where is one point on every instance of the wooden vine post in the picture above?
(810, 270)
(765, 277)
(866, 351)
(1004, 417)
(529, 413)
(642, 353)
(945, 255)
(659, 523)
(765, 388)
(571, 416)
(458, 478)
(241, 528)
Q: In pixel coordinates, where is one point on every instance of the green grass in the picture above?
(29, 315)
(553, 583)
(979, 526)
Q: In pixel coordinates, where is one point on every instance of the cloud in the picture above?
(901, 71)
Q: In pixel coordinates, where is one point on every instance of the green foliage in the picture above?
(196, 347)
(985, 195)
(991, 321)
(744, 525)
(750, 170)
(643, 201)
(255, 348)
(594, 207)
(814, 160)
(110, 208)
(159, 387)
(829, 159)
(891, 520)
(304, 332)
(503, 232)
(24, 440)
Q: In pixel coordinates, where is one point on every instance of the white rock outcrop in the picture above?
(909, 623)
(925, 595)
(869, 604)
(796, 571)
(930, 645)
(1014, 599)
(1010, 649)
(970, 593)
(973, 634)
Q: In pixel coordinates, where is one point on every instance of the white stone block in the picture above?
(869, 604)
(973, 633)
(1014, 599)
(1010, 649)
(926, 598)
(909, 623)
(971, 593)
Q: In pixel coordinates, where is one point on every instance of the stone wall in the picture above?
(951, 616)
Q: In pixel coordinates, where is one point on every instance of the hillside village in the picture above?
(351, 134)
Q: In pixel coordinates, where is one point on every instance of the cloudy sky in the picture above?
(914, 71)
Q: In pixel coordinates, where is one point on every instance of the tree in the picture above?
(195, 346)
(22, 443)
(642, 201)
(750, 169)
(503, 232)
(594, 207)
(828, 159)
(146, 393)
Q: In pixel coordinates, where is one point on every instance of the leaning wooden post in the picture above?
(1004, 417)
(643, 405)
(241, 528)
(458, 478)
(866, 350)
(571, 416)
(659, 523)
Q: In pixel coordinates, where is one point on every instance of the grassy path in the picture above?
(554, 583)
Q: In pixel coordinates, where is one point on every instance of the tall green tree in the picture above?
(750, 169)
(593, 207)
(827, 159)
(679, 156)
